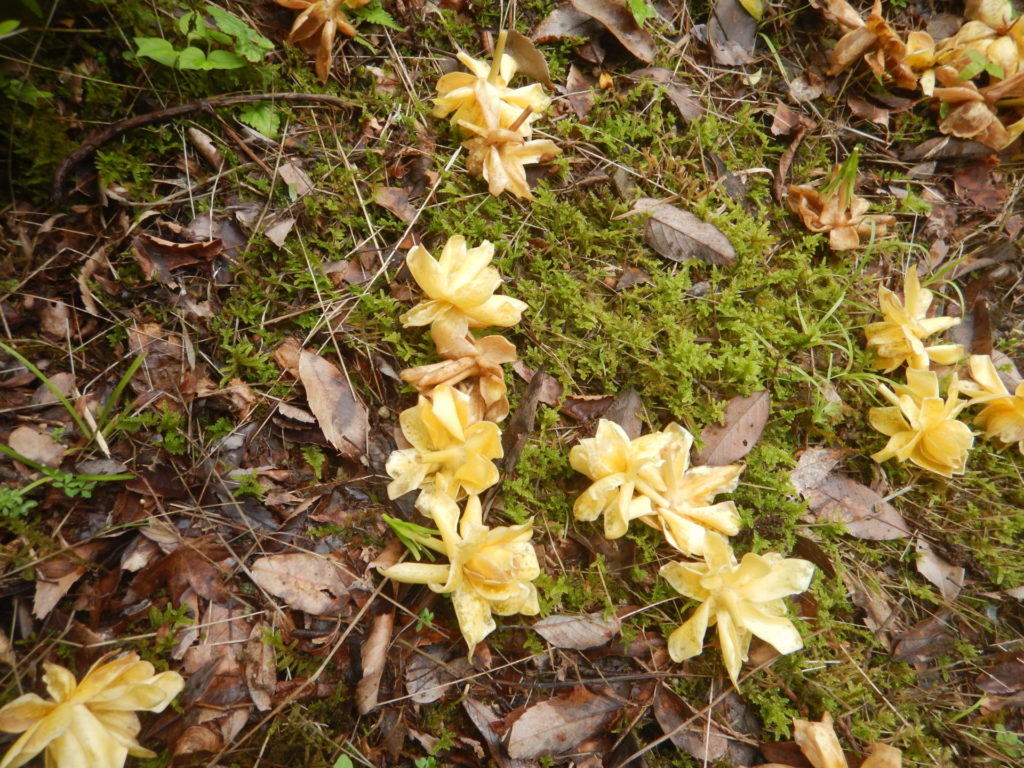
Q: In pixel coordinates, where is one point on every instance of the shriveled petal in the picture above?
(600, 495)
(407, 470)
(86, 742)
(501, 311)
(687, 641)
(819, 743)
(983, 371)
(36, 738)
(945, 354)
(883, 756)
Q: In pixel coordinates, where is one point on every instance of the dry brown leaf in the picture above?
(577, 632)
(744, 421)
(260, 667)
(679, 235)
(925, 641)
(338, 410)
(35, 445)
(531, 62)
(373, 655)
(395, 200)
(625, 411)
(865, 514)
(55, 319)
(54, 578)
(430, 673)
(731, 33)
(682, 96)
(618, 20)
(565, 21)
(698, 738)
(560, 724)
(579, 92)
(814, 465)
(306, 582)
(947, 577)
(298, 181)
(157, 257)
(1003, 682)
(483, 716)
(278, 231)
(6, 649)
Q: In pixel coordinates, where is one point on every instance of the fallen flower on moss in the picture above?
(1003, 414)
(743, 600)
(685, 510)
(500, 156)
(314, 29)
(469, 96)
(490, 570)
(625, 474)
(479, 372)
(922, 427)
(994, 33)
(450, 453)
(820, 745)
(91, 723)
(460, 289)
(837, 210)
(899, 338)
(978, 113)
(874, 40)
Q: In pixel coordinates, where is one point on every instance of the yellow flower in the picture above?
(685, 510)
(481, 367)
(625, 475)
(899, 337)
(820, 745)
(1003, 414)
(500, 157)
(743, 600)
(450, 454)
(316, 26)
(471, 97)
(460, 286)
(92, 723)
(490, 570)
(992, 32)
(922, 426)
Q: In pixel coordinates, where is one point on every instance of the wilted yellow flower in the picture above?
(899, 338)
(685, 510)
(482, 95)
(743, 600)
(874, 39)
(978, 113)
(316, 26)
(450, 454)
(820, 745)
(480, 366)
(490, 570)
(992, 32)
(460, 286)
(922, 427)
(500, 157)
(1003, 414)
(92, 723)
(837, 210)
(625, 474)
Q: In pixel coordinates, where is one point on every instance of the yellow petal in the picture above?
(819, 743)
(417, 573)
(685, 579)
(474, 615)
(687, 641)
(777, 631)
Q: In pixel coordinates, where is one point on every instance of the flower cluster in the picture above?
(650, 478)
(454, 439)
(989, 44)
(496, 119)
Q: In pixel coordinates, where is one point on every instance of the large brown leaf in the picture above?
(560, 724)
(618, 20)
(306, 582)
(865, 513)
(338, 410)
(743, 424)
(577, 632)
(679, 235)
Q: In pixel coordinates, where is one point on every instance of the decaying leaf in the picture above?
(865, 514)
(692, 734)
(531, 62)
(373, 655)
(157, 257)
(814, 465)
(430, 674)
(947, 577)
(679, 235)
(732, 32)
(306, 582)
(483, 717)
(618, 20)
(560, 724)
(743, 423)
(338, 410)
(1003, 682)
(579, 92)
(565, 22)
(682, 96)
(577, 632)
(258, 659)
(395, 200)
(35, 445)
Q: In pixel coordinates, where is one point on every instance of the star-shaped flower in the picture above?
(91, 723)
(315, 27)
(625, 474)
(685, 510)
(490, 570)
(1003, 414)
(450, 454)
(460, 289)
(922, 427)
(500, 157)
(899, 338)
(743, 599)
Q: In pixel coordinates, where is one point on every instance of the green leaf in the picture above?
(224, 60)
(264, 117)
(373, 13)
(157, 49)
(8, 27)
(248, 42)
(343, 762)
(412, 535)
(978, 65)
(641, 10)
(192, 58)
(185, 22)
(33, 6)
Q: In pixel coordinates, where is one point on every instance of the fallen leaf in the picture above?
(865, 513)
(1003, 682)
(618, 20)
(731, 33)
(338, 410)
(531, 62)
(6, 650)
(973, 184)
(279, 230)
(395, 200)
(625, 411)
(373, 655)
(868, 111)
(630, 277)
(298, 181)
(577, 632)
(482, 716)
(744, 421)
(55, 319)
(428, 676)
(682, 96)
(579, 92)
(813, 466)
(520, 424)
(35, 445)
(679, 235)
(698, 738)
(565, 21)
(560, 724)
(54, 578)
(157, 257)
(260, 666)
(306, 582)
(925, 641)
(786, 120)
(947, 577)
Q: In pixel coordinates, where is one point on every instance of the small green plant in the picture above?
(641, 10)
(316, 460)
(424, 619)
(247, 46)
(249, 485)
